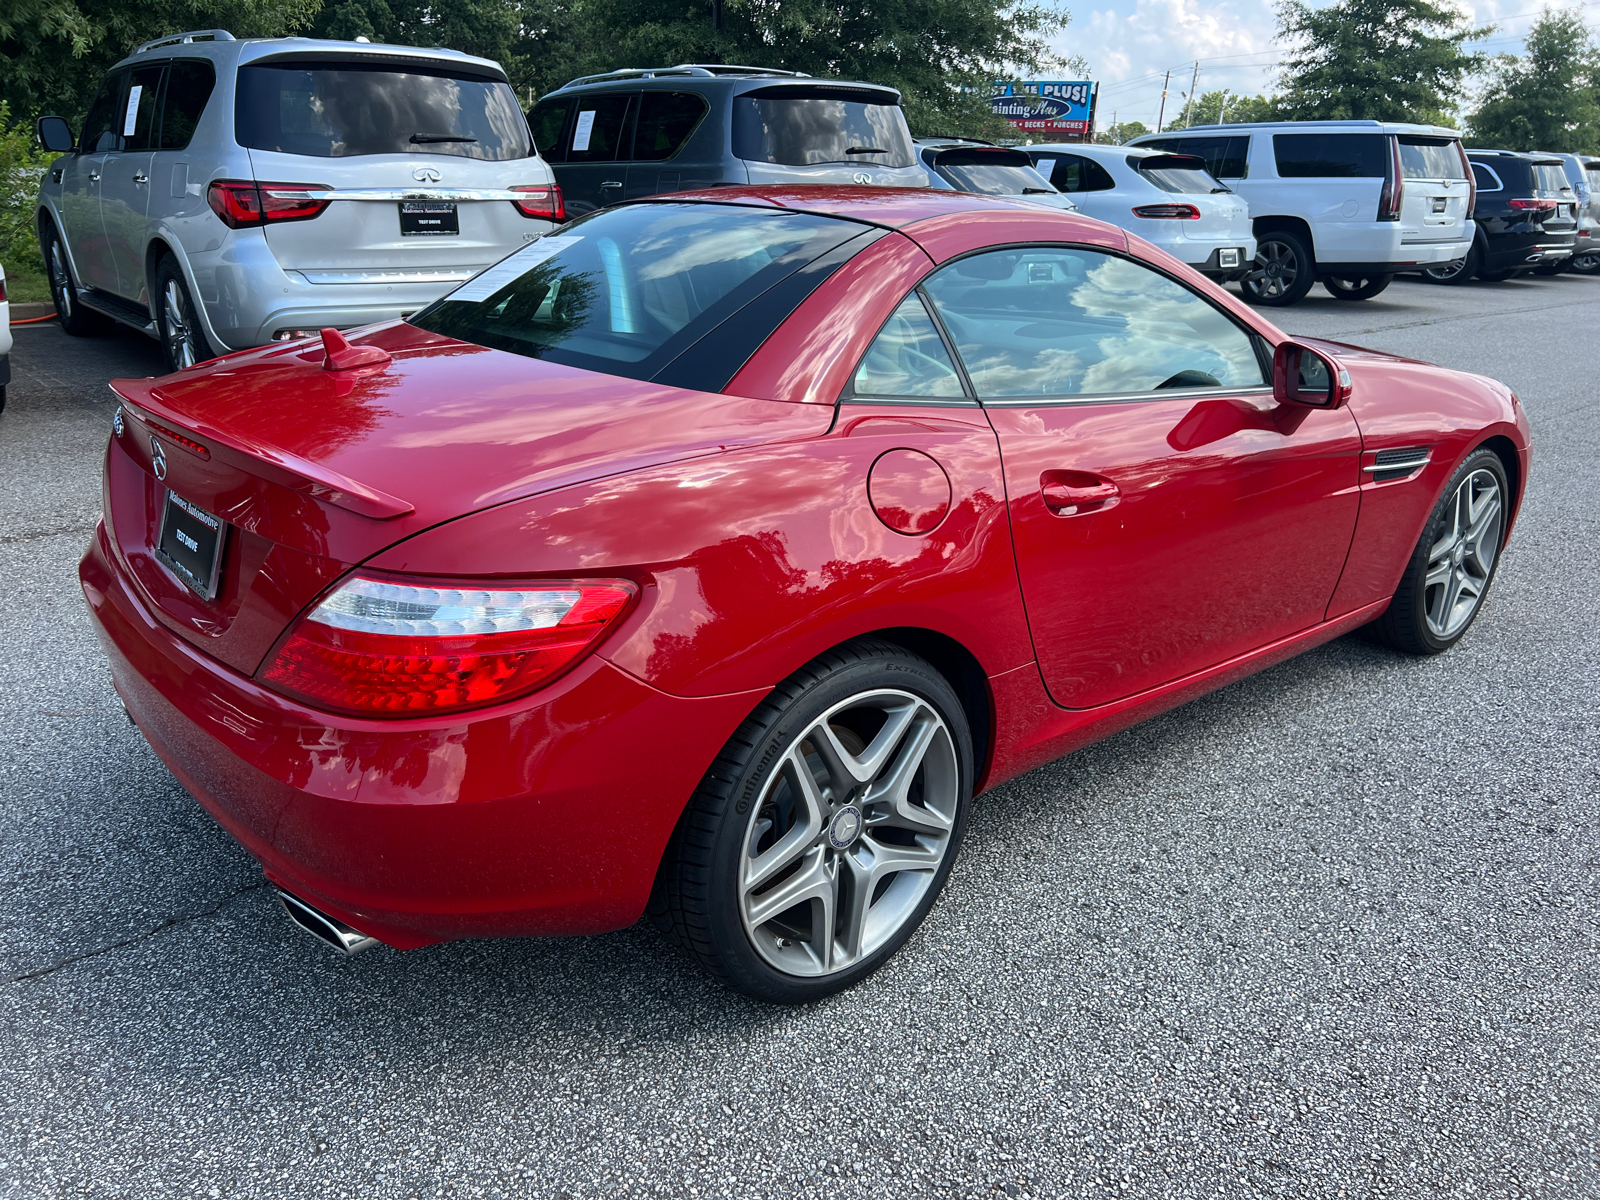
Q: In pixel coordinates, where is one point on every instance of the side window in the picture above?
(1487, 180)
(189, 86)
(547, 122)
(1331, 155)
(1226, 157)
(136, 126)
(1068, 322)
(597, 132)
(666, 119)
(908, 358)
(1075, 174)
(101, 125)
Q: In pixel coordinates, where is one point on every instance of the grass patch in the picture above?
(26, 285)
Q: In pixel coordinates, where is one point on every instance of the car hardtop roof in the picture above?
(1543, 158)
(701, 75)
(1308, 127)
(885, 207)
(221, 46)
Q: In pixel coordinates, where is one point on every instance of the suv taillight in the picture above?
(242, 202)
(1169, 212)
(544, 202)
(383, 647)
(1393, 197)
(1534, 205)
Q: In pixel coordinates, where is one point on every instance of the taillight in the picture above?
(379, 647)
(1393, 196)
(244, 202)
(544, 202)
(1534, 205)
(1168, 212)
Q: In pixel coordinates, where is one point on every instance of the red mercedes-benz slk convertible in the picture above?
(709, 555)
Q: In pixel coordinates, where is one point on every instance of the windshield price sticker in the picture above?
(131, 117)
(508, 270)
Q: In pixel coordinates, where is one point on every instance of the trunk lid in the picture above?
(1434, 196)
(313, 471)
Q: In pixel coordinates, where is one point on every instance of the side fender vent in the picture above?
(1384, 466)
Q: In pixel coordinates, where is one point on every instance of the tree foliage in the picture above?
(1210, 110)
(1547, 99)
(1382, 60)
(1120, 132)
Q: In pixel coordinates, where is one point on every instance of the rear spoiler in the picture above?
(276, 466)
(1167, 162)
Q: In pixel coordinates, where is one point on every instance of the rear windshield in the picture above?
(1159, 171)
(1226, 157)
(627, 290)
(806, 127)
(1549, 177)
(1430, 158)
(343, 109)
(1331, 155)
(991, 173)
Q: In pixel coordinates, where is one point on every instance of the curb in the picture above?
(24, 312)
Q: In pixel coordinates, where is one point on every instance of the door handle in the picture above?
(140, 178)
(612, 183)
(1073, 499)
(94, 176)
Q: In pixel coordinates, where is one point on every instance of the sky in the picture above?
(1130, 44)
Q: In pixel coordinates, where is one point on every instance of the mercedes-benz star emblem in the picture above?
(158, 459)
(426, 175)
(862, 177)
(116, 421)
(845, 827)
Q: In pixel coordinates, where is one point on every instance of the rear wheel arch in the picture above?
(965, 675)
(1262, 226)
(153, 255)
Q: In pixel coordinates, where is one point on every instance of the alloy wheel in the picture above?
(60, 282)
(1447, 272)
(1277, 268)
(175, 326)
(1462, 559)
(849, 833)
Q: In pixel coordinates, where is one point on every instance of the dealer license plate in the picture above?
(428, 218)
(191, 544)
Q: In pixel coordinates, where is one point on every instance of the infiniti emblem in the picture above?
(158, 459)
(862, 177)
(426, 175)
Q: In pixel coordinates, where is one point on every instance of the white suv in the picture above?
(1350, 203)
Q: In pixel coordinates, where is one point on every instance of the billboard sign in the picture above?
(1047, 110)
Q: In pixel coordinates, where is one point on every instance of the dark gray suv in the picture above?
(644, 132)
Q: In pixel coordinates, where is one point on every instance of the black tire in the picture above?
(1500, 276)
(1461, 271)
(697, 900)
(75, 318)
(1283, 273)
(1553, 268)
(183, 340)
(1409, 623)
(1363, 287)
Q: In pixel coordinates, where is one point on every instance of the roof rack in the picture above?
(194, 35)
(692, 70)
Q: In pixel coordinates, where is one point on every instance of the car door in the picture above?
(1167, 514)
(665, 123)
(81, 177)
(596, 150)
(125, 178)
(177, 177)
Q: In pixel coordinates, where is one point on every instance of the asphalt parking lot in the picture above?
(1333, 931)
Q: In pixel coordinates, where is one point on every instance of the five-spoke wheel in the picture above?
(825, 830)
(1282, 273)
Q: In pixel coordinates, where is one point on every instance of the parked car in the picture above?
(1525, 215)
(711, 554)
(642, 132)
(226, 193)
(5, 340)
(1350, 203)
(971, 165)
(1583, 173)
(1170, 200)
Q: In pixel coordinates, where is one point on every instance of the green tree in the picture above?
(488, 28)
(1210, 109)
(1547, 99)
(1122, 131)
(1382, 60)
(53, 53)
(943, 55)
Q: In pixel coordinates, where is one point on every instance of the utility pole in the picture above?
(1194, 96)
(1222, 116)
(1162, 114)
(716, 14)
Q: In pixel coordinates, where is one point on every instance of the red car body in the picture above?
(762, 525)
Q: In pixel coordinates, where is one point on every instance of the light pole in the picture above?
(1163, 112)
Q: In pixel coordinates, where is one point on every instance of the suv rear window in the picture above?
(340, 109)
(1430, 158)
(991, 172)
(800, 127)
(1550, 178)
(1331, 155)
(1179, 173)
(627, 290)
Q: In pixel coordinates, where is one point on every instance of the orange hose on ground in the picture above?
(35, 320)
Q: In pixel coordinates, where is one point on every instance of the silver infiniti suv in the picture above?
(226, 193)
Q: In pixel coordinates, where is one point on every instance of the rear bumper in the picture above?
(1243, 255)
(1521, 253)
(544, 816)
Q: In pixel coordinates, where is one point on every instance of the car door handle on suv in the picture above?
(612, 183)
(140, 178)
(94, 176)
(1073, 493)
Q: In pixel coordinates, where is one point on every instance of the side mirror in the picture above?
(55, 134)
(1307, 377)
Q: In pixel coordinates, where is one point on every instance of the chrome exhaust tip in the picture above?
(320, 925)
